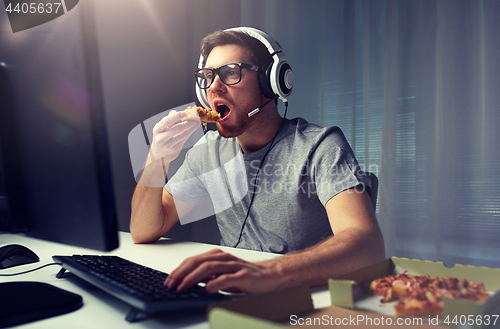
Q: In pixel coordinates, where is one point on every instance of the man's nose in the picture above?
(217, 85)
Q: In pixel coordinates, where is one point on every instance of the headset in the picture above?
(275, 79)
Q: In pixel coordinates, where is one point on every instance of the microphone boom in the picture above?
(258, 109)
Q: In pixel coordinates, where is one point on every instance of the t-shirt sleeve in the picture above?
(335, 168)
(186, 184)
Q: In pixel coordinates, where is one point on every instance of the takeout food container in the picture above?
(293, 308)
(346, 293)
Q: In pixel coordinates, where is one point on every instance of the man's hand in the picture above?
(223, 271)
(169, 136)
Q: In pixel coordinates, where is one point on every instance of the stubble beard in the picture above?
(235, 129)
(241, 123)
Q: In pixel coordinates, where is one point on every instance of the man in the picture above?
(306, 197)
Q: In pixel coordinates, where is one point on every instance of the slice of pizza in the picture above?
(201, 114)
(428, 306)
(392, 287)
(461, 289)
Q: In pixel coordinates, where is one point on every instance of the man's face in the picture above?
(239, 99)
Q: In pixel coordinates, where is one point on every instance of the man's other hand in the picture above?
(223, 271)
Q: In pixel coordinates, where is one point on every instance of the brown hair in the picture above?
(258, 52)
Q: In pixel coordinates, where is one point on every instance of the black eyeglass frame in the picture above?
(216, 71)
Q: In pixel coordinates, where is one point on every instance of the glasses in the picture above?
(229, 74)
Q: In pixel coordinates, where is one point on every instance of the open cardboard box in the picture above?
(294, 308)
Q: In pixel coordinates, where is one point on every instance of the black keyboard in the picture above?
(139, 286)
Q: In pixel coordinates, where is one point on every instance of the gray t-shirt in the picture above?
(306, 166)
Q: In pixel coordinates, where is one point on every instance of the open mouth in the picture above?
(223, 110)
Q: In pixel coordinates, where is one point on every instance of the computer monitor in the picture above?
(55, 172)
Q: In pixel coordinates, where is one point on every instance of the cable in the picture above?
(257, 174)
(35, 269)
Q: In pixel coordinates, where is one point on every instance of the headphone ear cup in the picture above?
(285, 80)
(265, 81)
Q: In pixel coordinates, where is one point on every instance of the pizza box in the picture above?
(292, 308)
(457, 313)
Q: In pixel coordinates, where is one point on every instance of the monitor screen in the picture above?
(55, 172)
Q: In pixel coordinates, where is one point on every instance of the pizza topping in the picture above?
(430, 297)
(388, 296)
(401, 287)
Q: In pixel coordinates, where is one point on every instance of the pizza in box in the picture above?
(421, 295)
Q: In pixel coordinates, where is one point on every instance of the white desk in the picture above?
(101, 310)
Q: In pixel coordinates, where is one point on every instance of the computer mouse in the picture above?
(15, 254)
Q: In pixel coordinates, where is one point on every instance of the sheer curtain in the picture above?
(413, 85)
